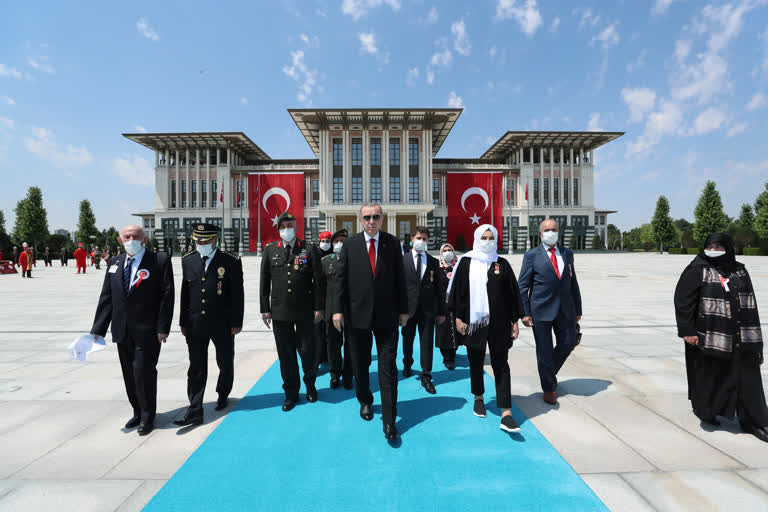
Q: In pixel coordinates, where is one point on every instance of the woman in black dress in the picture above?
(445, 333)
(485, 299)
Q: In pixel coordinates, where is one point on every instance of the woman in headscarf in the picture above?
(717, 318)
(445, 339)
(485, 300)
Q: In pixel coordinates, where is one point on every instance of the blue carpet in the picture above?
(322, 456)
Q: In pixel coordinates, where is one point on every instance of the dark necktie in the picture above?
(288, 252)
(553, 259)
(372, 255)
(205, 258)
(127, 275)
(418, 267)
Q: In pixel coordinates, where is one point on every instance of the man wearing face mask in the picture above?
(137, 299)
(340, 369)
(322, 354)
(211, 310)
(552, 302)
(290, 297)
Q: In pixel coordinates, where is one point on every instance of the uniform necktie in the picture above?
(553, 259)
(287, 252)
(418, 267)
(205, 258)
(372, 255)
(127, 275)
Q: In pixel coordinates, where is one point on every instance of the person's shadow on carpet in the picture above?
(416, 411)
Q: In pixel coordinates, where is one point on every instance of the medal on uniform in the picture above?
(218, 292)
(496, 269)
(295, 267)
(220, 270)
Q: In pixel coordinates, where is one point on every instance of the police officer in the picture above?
(336, 338)
(290, 297)
(211, 309)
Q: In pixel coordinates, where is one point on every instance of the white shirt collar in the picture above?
(546, 248)
(136, 257)
(368, 237)
(417, 253)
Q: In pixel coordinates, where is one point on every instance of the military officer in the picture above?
(211, 309)
(322, 350)
(335, 338)
(290, 297)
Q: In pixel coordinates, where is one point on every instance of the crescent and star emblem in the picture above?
(471, 191)
(276, 191)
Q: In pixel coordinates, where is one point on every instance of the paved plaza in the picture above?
(623, 421)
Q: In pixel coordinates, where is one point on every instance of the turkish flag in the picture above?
(271, 194)
(474, 198)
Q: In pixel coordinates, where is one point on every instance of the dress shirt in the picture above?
(560, 262)
(423, 256)
(210, 258)
(135, 263)
(375, 244)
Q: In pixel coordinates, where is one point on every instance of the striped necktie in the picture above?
(127, 275)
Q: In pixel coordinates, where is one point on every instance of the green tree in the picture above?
(108, 238)
(684, 232)
(747, 217)
(5, 240)
(56, 242)
(709, 214)
(31, 220)
(597, 242)
(761, 200)
(662, 228)
(614, 236)
(761, 222)
(86, 224)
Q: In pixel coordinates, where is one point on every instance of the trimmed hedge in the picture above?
(693, 250)
(752, 251)
(676, 250)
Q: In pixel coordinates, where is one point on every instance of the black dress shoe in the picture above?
(311, 394)
(366, 412)
(221, 404)
(427, 383)
(145, 428)
(288, 404)
(189, 419)
(759, 432)
(390, 432)
(348, 383)
(335, 382)
(407, 372)
(133, 422)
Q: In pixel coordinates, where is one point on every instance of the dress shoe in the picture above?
(427, 383)
(133, 422)
(348, 383)
(145, 428)
(451, 365)
(390, 432)
(759, 432)
(335, 382)
(407, 372)
(189, 419)
(549, 397)
(221, 404)
(366, 412)
(311, 393)
(288, 404)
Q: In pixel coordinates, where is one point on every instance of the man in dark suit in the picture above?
(290, 296)
(426, 304)
(551, 301)
(211, 309)
(370, 286)
(137, 299)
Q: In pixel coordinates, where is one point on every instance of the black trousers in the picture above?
(291, 337)
(550, 359)
(444, 338)
(426, 327)
(197, 376)
(322, 349)
(138, 362)
(340, 367)
(386, 349)
(501, 374)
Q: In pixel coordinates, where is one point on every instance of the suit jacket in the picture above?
(544, 296)
(372, 301)
(146, 310)
(290, 285)
(427, 291)
(212, 298)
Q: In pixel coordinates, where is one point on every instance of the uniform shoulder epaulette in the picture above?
(272, 244)
(189, 253)
(230, 254)
(331, 255)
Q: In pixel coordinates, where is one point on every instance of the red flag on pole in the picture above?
(470, 204)
(509, 192)
(221, 196)
(282, 192)
(526, 191)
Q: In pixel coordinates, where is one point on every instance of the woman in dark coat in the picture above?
(485, 299)
(717, 318)
(445, 338)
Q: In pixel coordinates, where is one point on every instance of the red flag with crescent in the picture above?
(474, 198)
(270, 195)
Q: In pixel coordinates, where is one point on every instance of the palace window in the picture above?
(203, 194)
(436, 191)
(338, 190)
(556, 190)
(575, 191)
(357, 189)
(394, 189)
(194, 193)
(315, 192)
(510, 192)
(214, 197)
(536, 200)
(546, 191)
(173, 193)
(376, 190)
(413, 189)
(566, 195)
(183, 193)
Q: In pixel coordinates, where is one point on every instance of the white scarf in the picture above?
(480, 262)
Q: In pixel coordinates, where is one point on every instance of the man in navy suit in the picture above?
(552, 302)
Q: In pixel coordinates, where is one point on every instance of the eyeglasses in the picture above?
(367, 218)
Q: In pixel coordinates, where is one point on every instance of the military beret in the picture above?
(325, 234)
(342, 232)
(204, 232)
(285, 216)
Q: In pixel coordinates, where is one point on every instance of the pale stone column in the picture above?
(366, 167)
(321, 168)
(404, 167)
(560, 179)
(541, 178)
(385, 165)
(208, 176)
(157, 159)
(392, 220)
(443, 191)
(570, 180)
(347, 167)
(551, 176)
(162, 190)
(178, 180)
(425, 169)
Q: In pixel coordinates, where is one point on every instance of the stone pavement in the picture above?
(623, 421)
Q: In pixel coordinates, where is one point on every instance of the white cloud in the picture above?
(8, 123)
(140, 129)
(682, 49)
(555, 25)
(638, 63)
(586, 18)
(661, 6)
(243, 100)
(525, 13)
(41, 64)
(702, 80)
(736, 129)
(594, 123)
(134, 169)
(368, 42)
(665, 121)
(306, 78)
(359, 8)
(44, 145)
(461, 38)
(413, 74)
(311, 42)
(455, 101)
(321, 13)
(640, 101)
(608, 37)
(11, 72)
(442, 59)
(492, 51)
(708, 121)
(145, 30)
(758, 101)
(8, 100)
(432, 16)
(430, 76)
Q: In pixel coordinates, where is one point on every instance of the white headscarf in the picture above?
(479, 308)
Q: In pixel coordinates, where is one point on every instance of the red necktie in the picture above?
(553, 259)
(372, 255)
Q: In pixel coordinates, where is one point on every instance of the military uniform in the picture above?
(290, 275)
(211, 306)
(322, 349)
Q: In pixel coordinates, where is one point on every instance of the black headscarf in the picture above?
(724, 264)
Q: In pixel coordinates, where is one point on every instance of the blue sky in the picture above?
(685, 79)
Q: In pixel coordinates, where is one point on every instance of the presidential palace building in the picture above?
(386, 156)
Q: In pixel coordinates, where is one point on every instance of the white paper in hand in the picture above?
(84, 345)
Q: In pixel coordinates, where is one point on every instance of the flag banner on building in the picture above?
(474, 198)
(270, 195)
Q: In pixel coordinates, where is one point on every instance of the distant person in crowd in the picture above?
(26, 260)
(47, 257)
(485, 300)
(405, 244)
(426, 305)
(552, 302)
(80, 256)
(137, 298)
(96, 257)
(446, 332)
(717, 317)
(372, 299)
(64, 257)
(322, 354)
(15, 255)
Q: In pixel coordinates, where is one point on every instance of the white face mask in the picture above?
(287, 234)
(205, 250)
(549, 237)
(487, 246)
(324, 246)
(448, 256)
(337, 247)
(132, 247)
(714, 254)
(420, 245)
